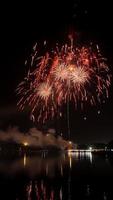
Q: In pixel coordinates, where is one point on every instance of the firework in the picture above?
(67, 73)
(44, 91)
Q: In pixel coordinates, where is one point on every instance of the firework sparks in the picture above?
(80, 76)
(44, 91)
(68, 73)
(61, 73)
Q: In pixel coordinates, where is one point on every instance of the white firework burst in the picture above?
(60, 73)
(80, 75)
(44, 90)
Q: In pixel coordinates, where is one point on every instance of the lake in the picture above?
(56, 176)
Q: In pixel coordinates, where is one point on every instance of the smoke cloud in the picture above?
(33, 137)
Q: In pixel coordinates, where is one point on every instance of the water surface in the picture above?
(62, 176)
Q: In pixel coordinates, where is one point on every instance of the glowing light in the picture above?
(25, 160)
(61, 194)
(70, 162)
(89, 155)
(80, 76)
(85, 118)
(61, 134)
(71, 68)
(61, 73)
(90, 148)
(98, 112)
(25, 144)
(70, 159)
(44, 91)
(67, 73)
(60, 114)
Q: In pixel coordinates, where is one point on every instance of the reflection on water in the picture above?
(40, 190)
(25, 160)
(45, 164)
(79, 156)
(65, 176)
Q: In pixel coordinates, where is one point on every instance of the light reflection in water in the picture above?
(104, 195)
(61, 194)
(70, 162)
(45, 164)
(57, 176)
(88, 190)
(25, 160)
(89, 155)
(41, 191)
(79, 155)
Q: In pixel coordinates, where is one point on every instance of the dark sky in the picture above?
(21, 26)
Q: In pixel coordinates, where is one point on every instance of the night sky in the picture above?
(21, 26)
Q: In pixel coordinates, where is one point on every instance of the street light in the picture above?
(90, 148)
(25, 144)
